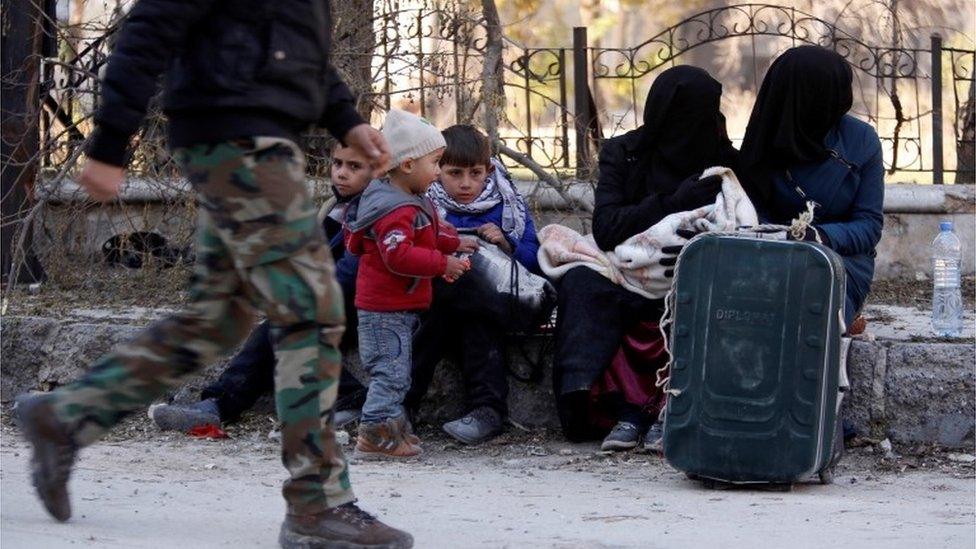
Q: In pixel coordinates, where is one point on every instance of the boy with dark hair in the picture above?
(477, 195)
(236, 101)
(402, 245)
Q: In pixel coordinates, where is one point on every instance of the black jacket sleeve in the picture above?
(616, 216)
(153, 32)
(340, 114)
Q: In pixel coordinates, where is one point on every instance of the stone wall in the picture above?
(909, 391)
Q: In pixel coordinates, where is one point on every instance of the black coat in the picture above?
(234, 68)
(626, 205)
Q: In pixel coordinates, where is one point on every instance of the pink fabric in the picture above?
(632, 374)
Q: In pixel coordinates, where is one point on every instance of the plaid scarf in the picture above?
(498, 189)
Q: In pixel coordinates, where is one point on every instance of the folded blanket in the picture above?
(636, 263)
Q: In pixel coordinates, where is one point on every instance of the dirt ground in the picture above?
(119, 290)
(141, 488)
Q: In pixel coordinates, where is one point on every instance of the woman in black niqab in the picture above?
(804, 94)
(607, 342)
(683, 130)
(653, 171)
(802, 148)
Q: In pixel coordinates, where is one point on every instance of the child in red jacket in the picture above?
(402, 246)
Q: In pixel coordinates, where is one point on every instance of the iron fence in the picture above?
(560, 102)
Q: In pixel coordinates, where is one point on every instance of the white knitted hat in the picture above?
(410, 136)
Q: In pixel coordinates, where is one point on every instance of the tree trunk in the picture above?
(353, 47)
(492, 90)
(22, 42)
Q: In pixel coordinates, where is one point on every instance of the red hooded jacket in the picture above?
(401, 244)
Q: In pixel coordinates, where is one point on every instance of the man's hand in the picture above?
(369, 142)
(468, 245)
(455, 268)
(491, 233)
(101, 180)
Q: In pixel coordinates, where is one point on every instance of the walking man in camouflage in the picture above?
(243, 79)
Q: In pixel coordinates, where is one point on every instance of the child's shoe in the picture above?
(185, 417)
(476, 427)
(389, 439)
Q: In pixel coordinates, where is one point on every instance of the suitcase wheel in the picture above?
(826, 476)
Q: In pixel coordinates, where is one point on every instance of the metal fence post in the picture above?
(581, 103)
(564, 107)
(937, 168)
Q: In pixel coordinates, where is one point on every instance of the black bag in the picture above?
(756, 338)
(499, 288)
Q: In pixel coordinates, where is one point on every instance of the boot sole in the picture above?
(360, 456)
(617, 446)
(468, 440)
(294, 540)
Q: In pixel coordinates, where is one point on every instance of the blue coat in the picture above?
(849, 188)
(526, 249)
(346, 264)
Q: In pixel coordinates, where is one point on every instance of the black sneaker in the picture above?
(654, 438)
(184, 417)
(346, 526)
(477, 426)
(54, 453)
(624, 436)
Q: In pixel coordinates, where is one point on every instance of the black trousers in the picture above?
(250, 373)
(453, 326)
(593, 316)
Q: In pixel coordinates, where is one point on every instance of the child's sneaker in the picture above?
(624, 436)
(476, 427)
(389, 439)
(654, 438)
(183, 417)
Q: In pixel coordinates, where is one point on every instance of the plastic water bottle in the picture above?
(946, 293)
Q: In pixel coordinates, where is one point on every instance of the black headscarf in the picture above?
(684, 131)
(804, 94)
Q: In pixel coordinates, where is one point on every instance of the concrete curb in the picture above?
(912, 392)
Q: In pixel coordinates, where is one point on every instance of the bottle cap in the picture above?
(945, 226)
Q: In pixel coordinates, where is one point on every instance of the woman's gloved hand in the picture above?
(693, 193)
(671, 253)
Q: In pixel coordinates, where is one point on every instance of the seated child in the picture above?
(477, 195)
(402, 245)
(250, 372)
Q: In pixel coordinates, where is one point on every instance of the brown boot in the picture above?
(346, 527)
(411, 437)
(389, 439)
(54, 453)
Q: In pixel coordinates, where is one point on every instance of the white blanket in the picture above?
(636, 263)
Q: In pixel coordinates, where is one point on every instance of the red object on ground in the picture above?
(207, 431)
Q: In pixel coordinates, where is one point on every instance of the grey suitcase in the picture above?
(756, 348)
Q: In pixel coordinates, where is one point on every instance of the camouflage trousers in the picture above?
(259, 247)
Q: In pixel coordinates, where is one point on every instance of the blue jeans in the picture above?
(385, 341)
